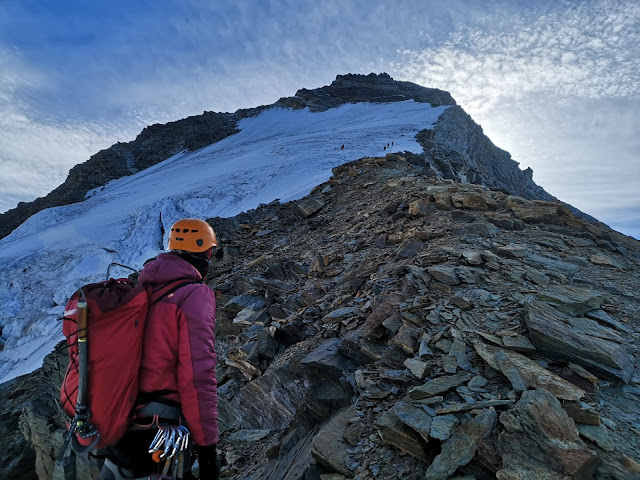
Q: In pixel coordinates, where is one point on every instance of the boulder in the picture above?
(572, 300)
(307, 207)
(539, 440)
(397, 434)
(533, 374)
(240, 302)
(329, 447)
(445, 273)
(461, 447)
(414, 417)
(579, 340)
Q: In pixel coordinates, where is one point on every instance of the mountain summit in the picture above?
(478, 160)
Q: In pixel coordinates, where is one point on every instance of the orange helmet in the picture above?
(192, 235)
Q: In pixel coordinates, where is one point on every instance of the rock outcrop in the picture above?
(409, 327)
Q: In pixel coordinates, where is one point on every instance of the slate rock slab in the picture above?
(445, 273)
(307, 207)
(442, 425)
(462, 446)
(394, 432)
(539, 440)
(414, 417)
(438, 385)
(329, 448)
(579, 340)
(533, 374)
(572, 300)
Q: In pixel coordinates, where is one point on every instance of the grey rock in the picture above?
(396, 433)
(438, 385)
(482, 229)
(605, 261)
(327, 357)
(341, 314)
(329, 448)
(597, 434)
(477, 382)
(603, 317)
(461, 447)
(572, 300)
(578, 340)
(466, 407)
(473, 257)
(240, 302)
(582, 413)
(533, 374)
(307, 207)
(616, 465)
(253, 316)
(414, 417)
(550, 263)
(458, 351)
(408, 249)
(449, 364)
(518, 343)
(513, 251)
(248, 435)
(445, 274)
(537, 277)
(511, 372)
(442, 425)
(461, 301)
(539, 440)
(417, 367)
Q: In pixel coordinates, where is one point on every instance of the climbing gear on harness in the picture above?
(169, 445)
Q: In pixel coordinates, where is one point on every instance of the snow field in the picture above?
(280, 154)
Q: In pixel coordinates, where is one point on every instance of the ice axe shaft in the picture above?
(82, 353)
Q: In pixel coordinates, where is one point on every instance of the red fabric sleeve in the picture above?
(197, 383)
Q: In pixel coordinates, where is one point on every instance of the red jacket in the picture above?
(178, 352)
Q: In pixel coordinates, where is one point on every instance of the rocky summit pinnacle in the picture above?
(457, 147)
(395, 324)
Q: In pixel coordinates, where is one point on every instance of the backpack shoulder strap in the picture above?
(168, 290)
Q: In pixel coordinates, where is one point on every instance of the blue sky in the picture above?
(556, 83)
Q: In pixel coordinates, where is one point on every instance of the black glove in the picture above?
(208, 462)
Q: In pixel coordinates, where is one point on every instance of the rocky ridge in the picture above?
(398, 325)
(463, 152)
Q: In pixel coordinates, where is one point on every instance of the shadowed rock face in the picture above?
(365, 358)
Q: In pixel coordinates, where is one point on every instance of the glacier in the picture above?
(280, 154)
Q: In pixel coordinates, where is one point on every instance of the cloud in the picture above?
(560, 90)
(36, 153)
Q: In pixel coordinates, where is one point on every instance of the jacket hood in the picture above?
(165, 268)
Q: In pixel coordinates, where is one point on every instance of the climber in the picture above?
(177, 374)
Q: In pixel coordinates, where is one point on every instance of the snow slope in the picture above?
(280, 154)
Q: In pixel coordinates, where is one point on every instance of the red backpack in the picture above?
(104, 327)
